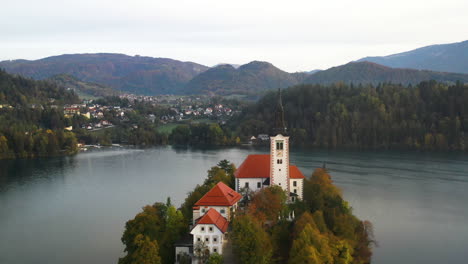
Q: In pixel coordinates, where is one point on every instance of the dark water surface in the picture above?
(73, 210)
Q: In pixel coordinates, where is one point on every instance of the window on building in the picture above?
(202, 229)
(215, 249)
(202, 210)
(293, 198)
(215, 239)
(198, 239)
(294, 183)
(259, 185)
(207, 239)
(246, 185)
(295, 190)
(279, 161)
(210, 229)
(279, 169)
(222, 211)
(279, 145)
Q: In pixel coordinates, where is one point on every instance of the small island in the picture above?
(274, 215)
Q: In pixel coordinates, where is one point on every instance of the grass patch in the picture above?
(167, 128)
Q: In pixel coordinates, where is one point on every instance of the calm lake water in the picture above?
(74, 209)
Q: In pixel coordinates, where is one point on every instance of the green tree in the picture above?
(146, 251)
(150, 223)
(250, 242)
(215, 258)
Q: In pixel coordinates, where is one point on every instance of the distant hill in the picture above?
(83, 88)
(368, 72)
(444, 58)
(135, 74)
(248, 79)
(22, 92)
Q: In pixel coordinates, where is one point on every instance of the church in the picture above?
(263, 170)
(213, 212)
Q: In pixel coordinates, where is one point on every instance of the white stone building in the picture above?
(221, 198)
(209, 231)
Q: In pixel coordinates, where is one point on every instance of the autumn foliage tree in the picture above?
(268, 205)
(161, 223)
(251, 243)
(146, 251)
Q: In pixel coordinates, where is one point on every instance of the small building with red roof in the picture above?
(211, 215)
(209, 231)
(221, 198)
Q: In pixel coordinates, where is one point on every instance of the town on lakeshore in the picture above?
(179, 109)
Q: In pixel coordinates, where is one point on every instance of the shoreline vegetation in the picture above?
(430, 116)
(324, 229)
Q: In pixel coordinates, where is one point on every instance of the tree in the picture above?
(268, 205)
(4, 151)
(215, 258)
(250, 242)
(201, 251)
(149, 223)
(302, 250)
(146, 251)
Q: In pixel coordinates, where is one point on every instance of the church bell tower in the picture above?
(279, 149)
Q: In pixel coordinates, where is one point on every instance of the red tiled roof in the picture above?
(220, 195)
(295, 173)
(258, 166)
(212, 217)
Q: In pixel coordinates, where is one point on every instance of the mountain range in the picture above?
(368, 72)
(444, 58)
(247, 79)
(136, 74)
(99, 74)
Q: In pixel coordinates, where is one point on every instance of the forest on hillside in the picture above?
(29, 124)
(427, 116)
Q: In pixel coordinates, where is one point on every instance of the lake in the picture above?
(74, 209)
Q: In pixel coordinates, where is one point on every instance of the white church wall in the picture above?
(298, 189)
(254, 184)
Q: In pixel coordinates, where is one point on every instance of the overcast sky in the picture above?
(293, 35)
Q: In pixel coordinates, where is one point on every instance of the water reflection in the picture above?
(23, 171)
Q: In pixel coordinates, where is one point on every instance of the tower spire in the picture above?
(280, 126)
